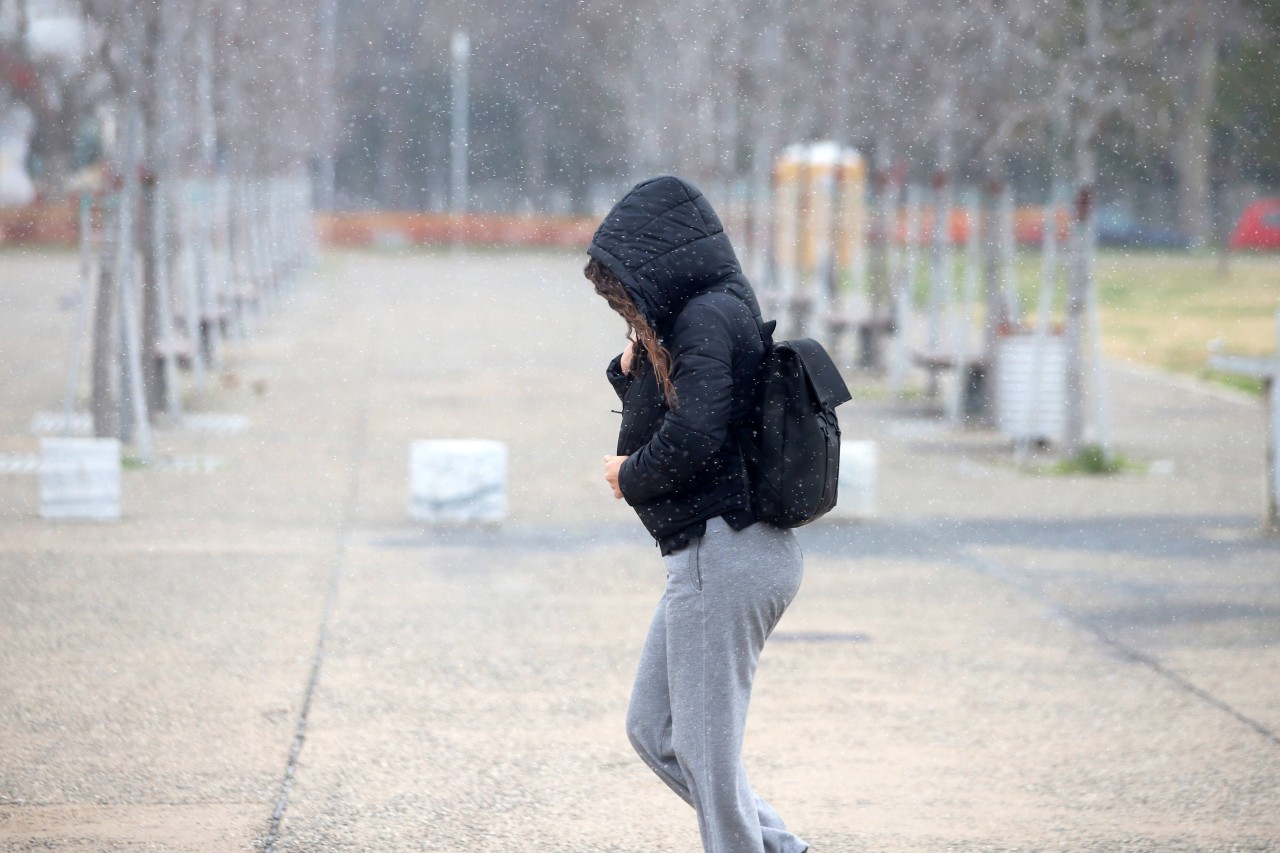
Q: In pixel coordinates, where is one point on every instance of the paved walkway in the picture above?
(270, 653)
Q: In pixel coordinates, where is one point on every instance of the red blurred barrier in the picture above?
(55, 224)
(436, 229)
(1028, 226)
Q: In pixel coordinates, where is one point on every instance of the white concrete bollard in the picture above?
(858, 463)
(455, 481)
(80, 478)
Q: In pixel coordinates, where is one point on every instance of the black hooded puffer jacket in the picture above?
(668, 248)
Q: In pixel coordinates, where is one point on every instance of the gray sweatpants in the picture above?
(688, 712)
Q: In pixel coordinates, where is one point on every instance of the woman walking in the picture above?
(688, 381)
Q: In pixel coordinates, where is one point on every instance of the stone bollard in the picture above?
(80, 478)
(858, 464)
(458, 481)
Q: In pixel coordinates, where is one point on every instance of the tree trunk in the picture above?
(106, 420)
(1193, 146)
(535, 160)
(152, 375)
(940, 270)
(992, 297)
(150, 133)
(1078, 285)
(56, 164)
(879, 286)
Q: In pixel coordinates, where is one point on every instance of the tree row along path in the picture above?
(266, 653)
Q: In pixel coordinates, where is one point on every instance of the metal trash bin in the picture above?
(1031, 387)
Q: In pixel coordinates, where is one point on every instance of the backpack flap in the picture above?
(825, 382)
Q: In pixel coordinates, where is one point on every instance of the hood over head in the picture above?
(666, 245)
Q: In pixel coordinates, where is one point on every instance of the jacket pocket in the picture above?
(642, 411)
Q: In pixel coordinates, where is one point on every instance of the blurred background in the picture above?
(899, 177)
(568, 101)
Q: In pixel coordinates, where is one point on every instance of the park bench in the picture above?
(177, 348)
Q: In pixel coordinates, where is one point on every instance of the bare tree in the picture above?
(60, 88)
(249, 72)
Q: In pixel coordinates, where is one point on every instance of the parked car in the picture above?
(1119, 228)
(1259, 226)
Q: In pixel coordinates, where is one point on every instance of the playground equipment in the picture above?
(934, 295)
(819, 239)
(911, 271)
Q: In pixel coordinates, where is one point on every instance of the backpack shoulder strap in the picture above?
(766, 331)
(766, 328)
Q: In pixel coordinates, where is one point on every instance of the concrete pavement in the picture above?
(999, 661)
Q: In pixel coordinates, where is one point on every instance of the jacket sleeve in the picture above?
(619, 380)
(684, 448)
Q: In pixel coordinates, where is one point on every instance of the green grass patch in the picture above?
(1093, 460)
(1158, 308)
(1248, 384)
(1164, 309)
(878, 390)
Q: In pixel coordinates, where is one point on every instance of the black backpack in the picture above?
(792, 451)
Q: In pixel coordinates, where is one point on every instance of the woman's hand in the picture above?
(628, 356)
(613, 464)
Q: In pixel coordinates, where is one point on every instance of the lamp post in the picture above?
(461, 49)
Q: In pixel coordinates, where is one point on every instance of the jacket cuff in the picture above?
(619, 380)
(625, 474)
